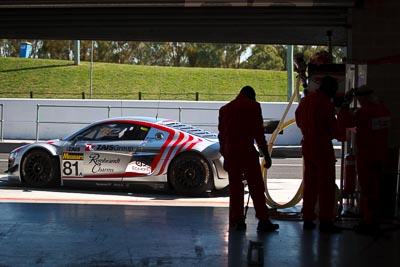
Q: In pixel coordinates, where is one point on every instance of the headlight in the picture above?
(13, 155)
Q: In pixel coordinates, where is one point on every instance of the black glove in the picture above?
(268, 162)
(267, 157)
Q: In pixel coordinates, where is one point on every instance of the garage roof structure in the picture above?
(227, 21)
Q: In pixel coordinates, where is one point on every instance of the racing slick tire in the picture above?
(190, 174)
(40, 169)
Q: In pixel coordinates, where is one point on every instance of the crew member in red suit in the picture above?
(372, 121)
(316, 117)
(240, 124)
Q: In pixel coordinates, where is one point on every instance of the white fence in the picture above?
(30, 119)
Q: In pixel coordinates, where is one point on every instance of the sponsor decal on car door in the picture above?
(104, 160)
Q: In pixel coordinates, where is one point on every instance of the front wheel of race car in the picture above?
(40, 169)
(190, 174)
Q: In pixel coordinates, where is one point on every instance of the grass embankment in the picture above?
(61, 79)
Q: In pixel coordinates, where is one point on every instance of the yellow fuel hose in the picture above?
(282, 125)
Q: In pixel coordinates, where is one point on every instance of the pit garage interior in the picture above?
(85, 234)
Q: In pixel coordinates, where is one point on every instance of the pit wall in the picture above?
(58, 118)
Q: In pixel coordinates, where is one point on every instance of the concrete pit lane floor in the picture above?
(74, 228)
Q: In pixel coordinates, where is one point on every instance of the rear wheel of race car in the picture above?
(40, 169)
(190, 174)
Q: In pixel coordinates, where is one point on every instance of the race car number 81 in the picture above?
(72, 168)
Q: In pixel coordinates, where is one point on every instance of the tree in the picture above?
(116, 51)
(205, 55)
(59, 49)
(232, 55)
(151, 54)
(309, 51)
(264, 57)
(9, 48)
(177, 54)
(86, 47)
(261, 56)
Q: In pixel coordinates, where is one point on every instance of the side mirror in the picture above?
(76, 139)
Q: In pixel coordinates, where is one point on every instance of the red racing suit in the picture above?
(316, 118)
(372, 122)
(240, 123)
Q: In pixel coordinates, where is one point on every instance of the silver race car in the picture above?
(123, 151)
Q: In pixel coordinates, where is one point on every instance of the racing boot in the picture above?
(267, 226)
(238, 226)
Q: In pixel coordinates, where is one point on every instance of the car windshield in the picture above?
(190, 129)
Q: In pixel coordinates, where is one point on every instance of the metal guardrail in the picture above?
(68, 122)
(1, 122)
(39, 121)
